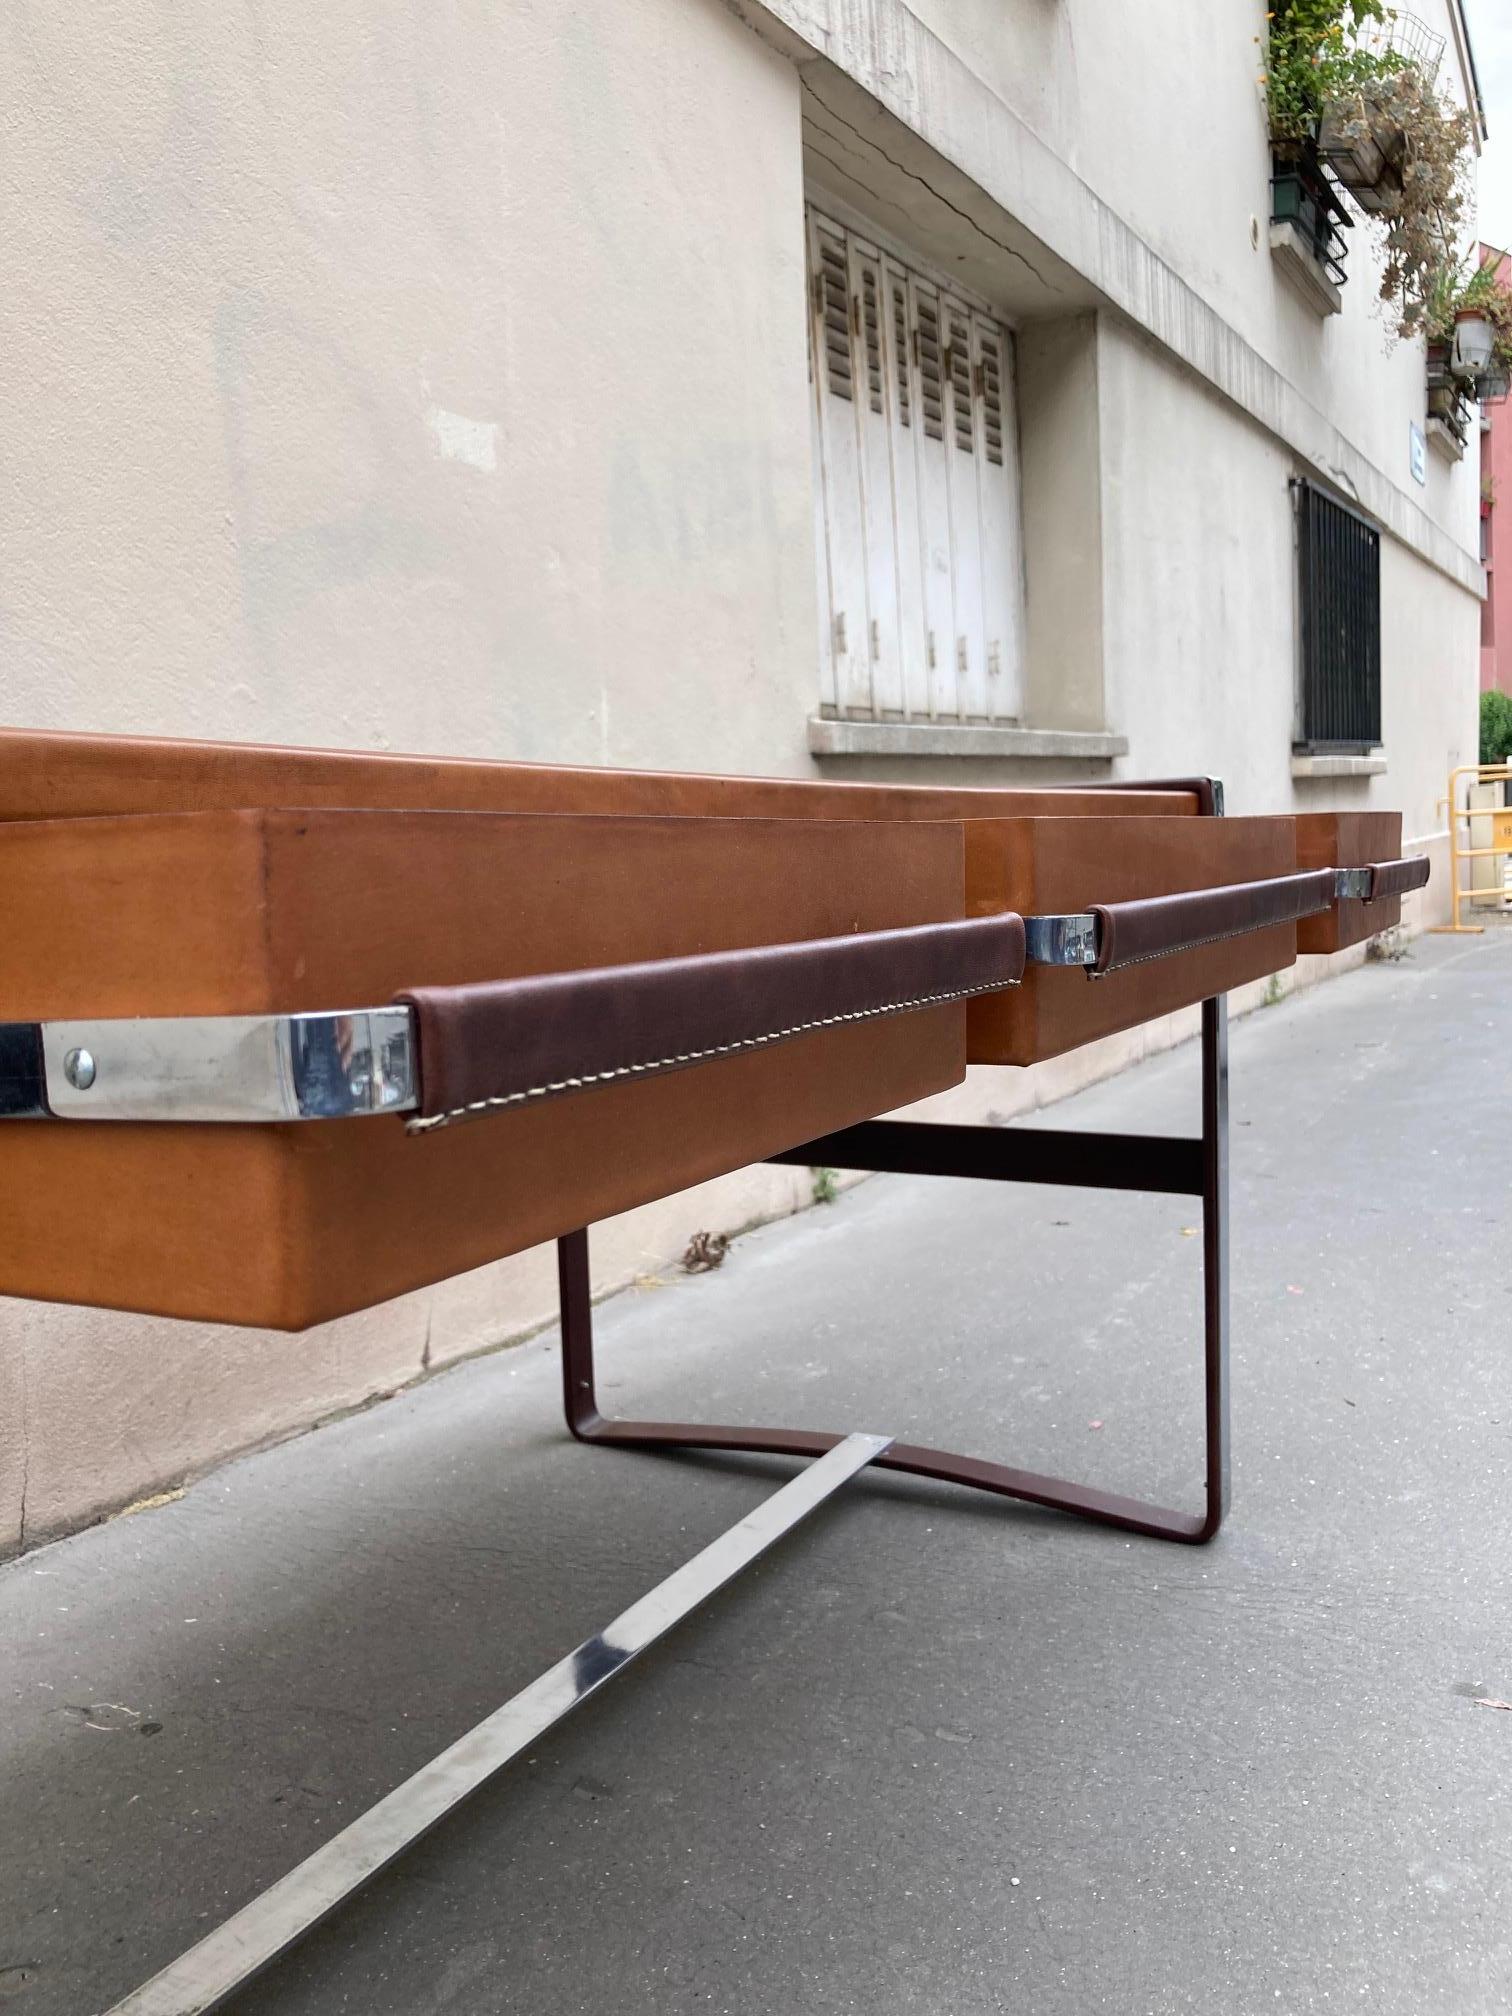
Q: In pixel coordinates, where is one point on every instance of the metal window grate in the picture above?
(1339, 593)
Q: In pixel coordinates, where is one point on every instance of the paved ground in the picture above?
(938, 1755)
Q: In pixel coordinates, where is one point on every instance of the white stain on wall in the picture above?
(459, 439)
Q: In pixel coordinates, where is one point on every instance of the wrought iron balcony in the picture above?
(1304, 200)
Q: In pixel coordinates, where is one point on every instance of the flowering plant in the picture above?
(1361, 75)
(1313, 57)
(1423, 215)
(1460, 289)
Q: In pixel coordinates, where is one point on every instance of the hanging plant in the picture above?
(1314, 57)
(1352, 82)
(1468, 322)
(1423, 215)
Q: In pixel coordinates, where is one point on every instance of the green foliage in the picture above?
(826, 1185)
(1312, 58)
(1425, 219)
(1334, 60)
(1496, 727)
(1460, 286)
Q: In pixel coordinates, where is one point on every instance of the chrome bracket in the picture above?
(1069, 940)
(327, 1066)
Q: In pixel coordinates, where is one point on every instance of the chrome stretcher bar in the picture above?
(448, 1054)
(227, 1958)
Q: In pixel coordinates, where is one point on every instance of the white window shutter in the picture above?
(965, 514)
(936, 543)
(1002, 525)
(840, 465)
(879, 507)
(917, 523)
(909, 554)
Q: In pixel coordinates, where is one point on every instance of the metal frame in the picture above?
(1483, 773)
(222, 1962)
(1181, 1166)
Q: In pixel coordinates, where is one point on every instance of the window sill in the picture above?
(827, 737)
(1333, 764)
(1444, 439)
(1295, 257)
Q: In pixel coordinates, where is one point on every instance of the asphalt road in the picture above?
(937, 1753)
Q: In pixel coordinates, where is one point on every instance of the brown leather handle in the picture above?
(503, 1042)
(1395, 878)
(1156, 926)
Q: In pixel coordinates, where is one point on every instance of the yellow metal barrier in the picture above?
(1501, 837)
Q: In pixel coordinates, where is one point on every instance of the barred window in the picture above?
(1339, 607)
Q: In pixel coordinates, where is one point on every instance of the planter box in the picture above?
(1474, 341)
(1364, 152)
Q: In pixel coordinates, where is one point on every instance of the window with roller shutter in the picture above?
(916, 490)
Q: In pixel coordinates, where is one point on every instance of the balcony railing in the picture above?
(1451, 398)
(1302, 195)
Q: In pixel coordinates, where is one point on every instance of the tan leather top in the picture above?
(46, 775)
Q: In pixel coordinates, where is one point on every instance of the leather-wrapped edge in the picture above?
(1156, 927)
(500, 1044)
(1397, 878)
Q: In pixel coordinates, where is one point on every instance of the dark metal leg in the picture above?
(1089, 1161)
(1215, 1260)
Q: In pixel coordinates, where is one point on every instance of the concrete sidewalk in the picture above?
(938, 1754)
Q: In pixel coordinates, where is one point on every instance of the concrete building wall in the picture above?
(1159, 109)
(404, 378)
(1200, 601)
(392, 380)
(437, 381)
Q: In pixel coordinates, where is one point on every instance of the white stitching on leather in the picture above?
(426, 1126)
(1196, 944)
